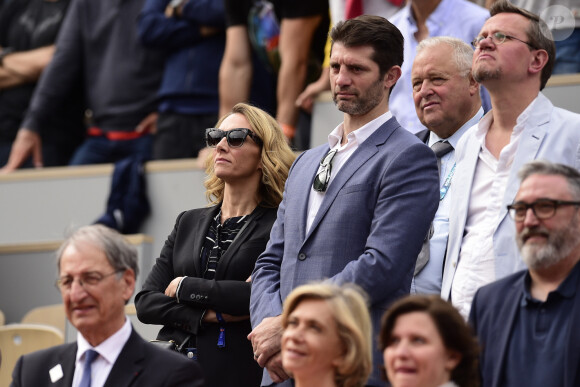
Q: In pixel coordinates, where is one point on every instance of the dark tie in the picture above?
(90, 356)
(441, 148)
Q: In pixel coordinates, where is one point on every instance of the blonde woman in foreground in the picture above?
(327, 336)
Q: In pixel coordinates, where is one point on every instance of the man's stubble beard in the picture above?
(482, 75)
(365, 103)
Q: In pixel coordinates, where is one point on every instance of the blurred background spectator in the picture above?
(28, 30)
(193, 35)
(303, 30)
(97, 48)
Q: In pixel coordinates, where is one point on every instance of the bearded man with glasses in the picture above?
(97, 269)
(356, 209)
(527, 323)
(514, 56)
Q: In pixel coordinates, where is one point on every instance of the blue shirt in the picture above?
(428, 280)
(457, 18)
(539, 336)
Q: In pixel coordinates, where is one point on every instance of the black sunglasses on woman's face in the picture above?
(235, 137)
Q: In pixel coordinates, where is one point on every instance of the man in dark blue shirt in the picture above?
(527, 323)
(98, 49)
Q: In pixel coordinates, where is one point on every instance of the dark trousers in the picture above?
(181, 136)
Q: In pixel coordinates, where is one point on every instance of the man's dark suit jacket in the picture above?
(493, 314)
(228, 293)
(140, 364)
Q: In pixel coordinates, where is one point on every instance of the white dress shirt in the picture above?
(108, 350)
(354, 140)
(476, 266)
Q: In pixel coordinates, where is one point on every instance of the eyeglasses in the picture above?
(86, 280)
(323, 177)
(497, 38)
(542, 208)
(235, 137)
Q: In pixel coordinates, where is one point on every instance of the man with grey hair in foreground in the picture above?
(527, 323)
(97, 271)
(447, 102)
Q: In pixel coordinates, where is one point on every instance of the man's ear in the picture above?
(128, 281)
(473, 85)
(538, 61)
(392, 76)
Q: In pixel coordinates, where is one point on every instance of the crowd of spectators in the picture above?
(152, 86)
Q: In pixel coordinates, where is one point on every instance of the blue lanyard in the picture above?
(447, 183)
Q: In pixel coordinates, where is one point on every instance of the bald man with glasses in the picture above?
(514, 56)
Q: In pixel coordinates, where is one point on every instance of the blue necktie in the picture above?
(90, 356)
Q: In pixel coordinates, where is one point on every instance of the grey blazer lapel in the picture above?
(311, 161)
(361, 155)
(464, 174)
(530, 142)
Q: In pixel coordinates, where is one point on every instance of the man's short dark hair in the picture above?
(538, 33)
(375, 31)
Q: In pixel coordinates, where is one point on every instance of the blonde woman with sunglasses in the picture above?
(199, 288)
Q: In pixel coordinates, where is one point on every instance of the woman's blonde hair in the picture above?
(276, 157)
(350, 311)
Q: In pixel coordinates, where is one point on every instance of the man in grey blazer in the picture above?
(97, 271)
(513, 59)
(356, 209)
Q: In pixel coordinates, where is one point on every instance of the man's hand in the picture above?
(24, 66)
(148, 124)
(275, 370)
(203, 155)
(26, 143)
(306, 99)
(266, 339)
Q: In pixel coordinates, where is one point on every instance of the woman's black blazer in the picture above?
(227, 293)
